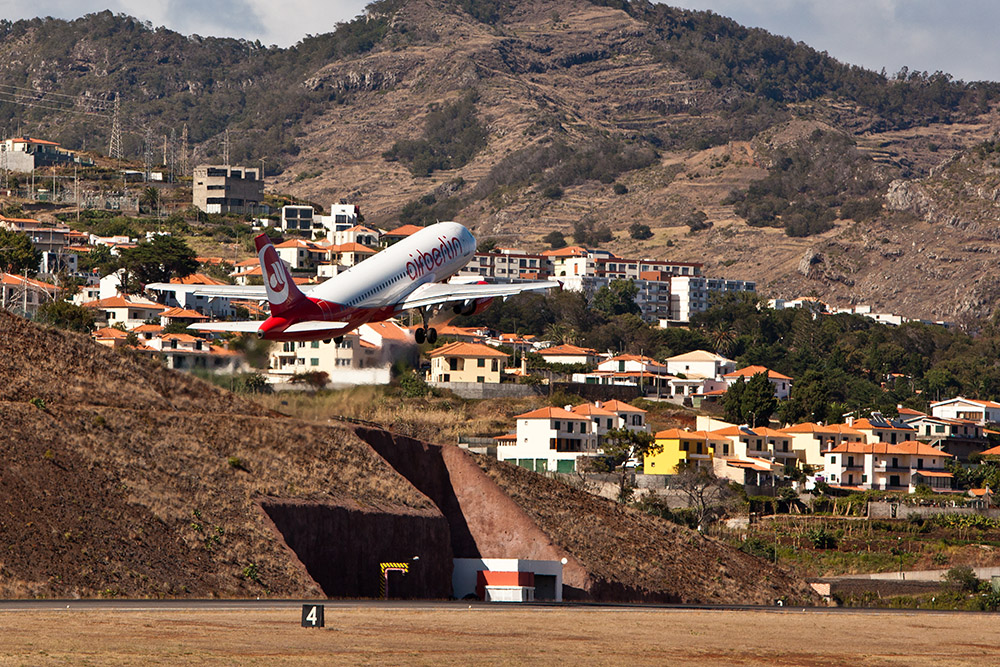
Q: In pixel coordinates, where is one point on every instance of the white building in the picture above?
(981, 412)
(550, 439)
(700, 364)
(782, 383)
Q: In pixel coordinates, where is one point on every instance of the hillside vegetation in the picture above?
(577, 117)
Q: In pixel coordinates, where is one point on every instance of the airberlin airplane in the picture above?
(408, 275)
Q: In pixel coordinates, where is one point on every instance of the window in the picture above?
(314, 362)
(495, 365)
(315, 344)
(569, 427)
(481, 363)
(480, 379)
(557, 425)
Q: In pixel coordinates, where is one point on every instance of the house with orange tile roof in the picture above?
(180, 315)
(782, 383)
(466, 362)
(398, 234)
(680, 447)
(810, 441)
(570, 354)
(184, 352)
(887, 467)
(24, 295)
(183, 293)
(877, 428)
(700, 364)
(959, 437)
(629, 416)
(550, 439)
(602, 419)
(129, 311)
(363, 356)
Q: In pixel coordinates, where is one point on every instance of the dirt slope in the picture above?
(626, 550)
(159, 497)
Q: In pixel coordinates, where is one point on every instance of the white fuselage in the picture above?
(433, 254)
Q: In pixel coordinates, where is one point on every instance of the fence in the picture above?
(887, 510)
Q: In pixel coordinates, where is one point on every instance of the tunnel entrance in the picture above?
(343, 548)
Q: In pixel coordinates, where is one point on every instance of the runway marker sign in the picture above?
(312, 616)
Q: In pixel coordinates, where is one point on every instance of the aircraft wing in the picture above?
(432, 294)
(316, 325)
(236, 327)
(255, 292)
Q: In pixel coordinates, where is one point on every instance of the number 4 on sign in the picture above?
(312, 616)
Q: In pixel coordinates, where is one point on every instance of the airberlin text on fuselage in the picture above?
(426, 260)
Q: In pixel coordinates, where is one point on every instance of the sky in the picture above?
(953, 36)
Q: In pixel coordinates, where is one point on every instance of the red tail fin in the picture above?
(282, 292)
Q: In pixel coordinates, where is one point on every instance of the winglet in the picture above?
(282, 292)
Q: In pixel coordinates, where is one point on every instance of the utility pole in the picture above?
(147, 152)
(225, 149)
(115, 147)
(184, 151)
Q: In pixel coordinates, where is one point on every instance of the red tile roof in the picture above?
(750, 371)
(567, 350)
(460, 349)
(552, 413)
(405, 230)
(618, 406)
(198, 279)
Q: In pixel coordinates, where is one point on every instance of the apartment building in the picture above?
(227, 189)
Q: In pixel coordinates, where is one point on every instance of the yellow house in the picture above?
(679, 447)
(466, 362)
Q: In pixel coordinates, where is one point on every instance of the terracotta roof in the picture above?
(390, 331)
(634, 357)
(933, 473)
(750, 371)
(980, 492)
(460, 349)
(678, 433)
(551, 413)
(730, 431)
(567, 350)
(148, 328)
(865, 448)
(32, 140)
(183, 313)
(361, 228)
(123, 302)
(592, 410)
(921, 449)
(296, 243)
(910, 413)
(985, 404)
(351, 247)
(198, 279)
(405, 230)
(766, 431)
(811, 427)
(505, 437)
(569, 251)
(992, 451)
(109, 332)
(618, 406)
(14, 279)
(183, 338)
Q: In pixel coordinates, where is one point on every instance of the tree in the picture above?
(703, 490)
(732, 401)
(66, 315)
(617, 298)
(555, 239)
(622, 445)
(758, 402)
(99, 258)
(17, 254)
(158, 260)
(640, 231)
(149, 199)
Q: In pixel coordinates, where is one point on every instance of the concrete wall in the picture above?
(341, 548)
(484, 521)
(884, 510)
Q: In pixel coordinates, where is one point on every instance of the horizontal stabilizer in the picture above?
(316, 325)
(244, 327)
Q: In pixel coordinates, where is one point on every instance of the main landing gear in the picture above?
(425, 333)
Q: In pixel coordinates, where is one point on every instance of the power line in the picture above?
(33, 91)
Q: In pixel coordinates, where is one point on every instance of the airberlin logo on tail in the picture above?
(427, 260)
(274, 275)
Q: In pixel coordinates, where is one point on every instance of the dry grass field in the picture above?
(492, 636)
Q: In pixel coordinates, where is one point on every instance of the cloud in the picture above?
(928, 35)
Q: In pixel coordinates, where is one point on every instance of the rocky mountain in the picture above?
(758, 156)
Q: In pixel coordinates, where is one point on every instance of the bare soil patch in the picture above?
(492, 636)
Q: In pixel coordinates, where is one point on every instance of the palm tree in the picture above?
(150, 198)
(723, 336)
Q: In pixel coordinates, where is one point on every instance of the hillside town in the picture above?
(896, 453)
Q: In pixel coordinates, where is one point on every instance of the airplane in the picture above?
(409, 275)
